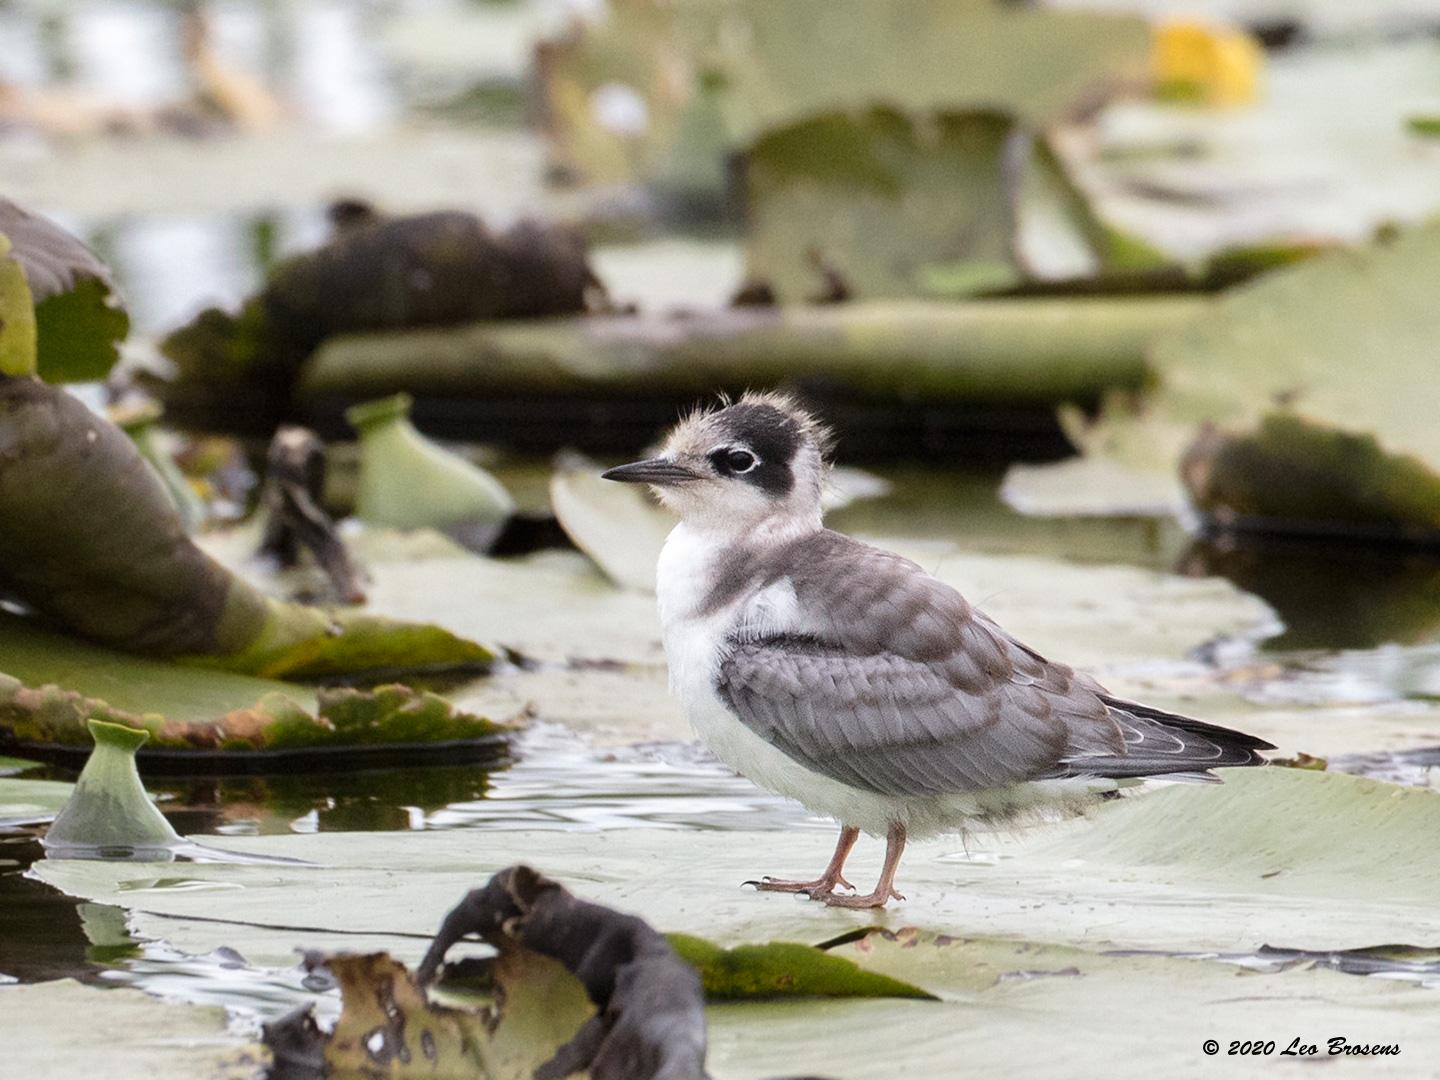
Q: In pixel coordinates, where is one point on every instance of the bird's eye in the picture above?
(728, 462)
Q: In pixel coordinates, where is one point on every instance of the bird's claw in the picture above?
(867, 902)
(818, 889)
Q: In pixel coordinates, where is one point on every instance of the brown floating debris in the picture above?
(644, 1018)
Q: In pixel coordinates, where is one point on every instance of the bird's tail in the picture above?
(1158, 743)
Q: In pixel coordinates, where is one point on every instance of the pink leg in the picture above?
(825, 884)
(885, 887)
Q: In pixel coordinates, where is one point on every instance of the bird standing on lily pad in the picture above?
(849, 679)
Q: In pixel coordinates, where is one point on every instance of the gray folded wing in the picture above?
(891, 682)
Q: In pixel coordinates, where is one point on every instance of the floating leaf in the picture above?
(50, 686)
(63, 1028)
(1005, 928)
(1190, 867)
(1329, 425)
(27, 802)
(753, 67)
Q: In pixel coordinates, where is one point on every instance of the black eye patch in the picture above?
(774, 436)
(737, 462)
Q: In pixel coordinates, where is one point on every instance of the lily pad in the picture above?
(1157, 871)
(936, 204)
(1328, 431)
(617, 525)
(51, 685)
(746, 68)
(1066, 920)
(125, 1036)
(27, 802)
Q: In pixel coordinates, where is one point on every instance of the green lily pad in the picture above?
(751, 67)
(1065, 921)
(1274, 856)
(51, 685)
(90, 538)
(935, 204)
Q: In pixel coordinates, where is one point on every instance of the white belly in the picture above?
(693, 647)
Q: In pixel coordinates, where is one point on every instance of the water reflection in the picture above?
(557, 782)
(1330, 596)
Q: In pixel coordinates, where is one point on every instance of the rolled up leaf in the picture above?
(109, 809)
(17, 316)
(408, 482)
(77, 319)
(973, 352)
(88, 536)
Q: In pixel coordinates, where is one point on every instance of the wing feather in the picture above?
(892, 682)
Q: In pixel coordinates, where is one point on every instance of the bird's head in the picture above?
(757, 463)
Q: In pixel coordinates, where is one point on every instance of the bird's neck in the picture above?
(700, 555)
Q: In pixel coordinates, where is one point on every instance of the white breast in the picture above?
(695, 645)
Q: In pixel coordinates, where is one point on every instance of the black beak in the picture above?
(655, 471)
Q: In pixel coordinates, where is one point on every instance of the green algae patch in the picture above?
(783, 969)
